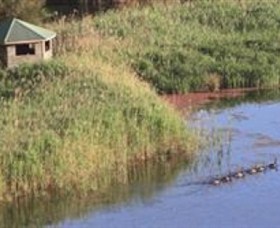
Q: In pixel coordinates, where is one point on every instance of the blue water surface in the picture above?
(243, 135)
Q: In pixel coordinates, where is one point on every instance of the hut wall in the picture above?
(47, 52)
(13, 59)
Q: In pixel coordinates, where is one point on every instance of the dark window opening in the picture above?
(25, 49)
(47, 45)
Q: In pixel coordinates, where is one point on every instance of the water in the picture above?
(240, 133)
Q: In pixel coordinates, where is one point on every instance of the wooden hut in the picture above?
(22, 42)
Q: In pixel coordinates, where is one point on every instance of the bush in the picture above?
(25, 79)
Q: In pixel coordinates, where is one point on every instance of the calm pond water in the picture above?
(241, 132)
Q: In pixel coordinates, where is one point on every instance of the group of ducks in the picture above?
(243, 172)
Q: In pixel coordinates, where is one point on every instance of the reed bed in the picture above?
(199, 45)
(80, 122)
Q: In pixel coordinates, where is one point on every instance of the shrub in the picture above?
(27, 77)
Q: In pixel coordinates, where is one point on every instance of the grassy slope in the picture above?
(78, 123)
(208, 45)
(81, 122)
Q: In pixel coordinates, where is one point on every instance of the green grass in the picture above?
(23, 80)
(176, 47)
(78, 123)
(81, 121)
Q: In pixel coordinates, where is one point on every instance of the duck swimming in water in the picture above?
(239, 174)
(242, 173)
(226, 179)
(260, 168)
(216, 181)
(273, 165)
(252, 171)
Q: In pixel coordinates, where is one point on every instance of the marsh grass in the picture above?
(80, 122)
(82, 133)
(146, 178)
(176, 46)
(25, 79)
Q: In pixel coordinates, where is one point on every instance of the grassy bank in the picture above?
(81, 121)
(203, 46)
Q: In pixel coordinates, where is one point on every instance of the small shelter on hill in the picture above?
(22, 42)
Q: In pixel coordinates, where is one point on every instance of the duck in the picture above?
(226, 179)
(239, 174)
(273, 165)
(260, 168)
(252, 171)
(216, 181)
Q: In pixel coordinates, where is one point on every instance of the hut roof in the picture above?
(14, 31)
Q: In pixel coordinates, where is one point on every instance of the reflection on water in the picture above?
(238, 133)
(145, 181)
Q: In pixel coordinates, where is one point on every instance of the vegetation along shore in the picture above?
(81, 120)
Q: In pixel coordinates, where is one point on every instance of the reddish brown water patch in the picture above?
(193, 100)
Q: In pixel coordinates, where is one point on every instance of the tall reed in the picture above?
(79, 122)
(177, 47)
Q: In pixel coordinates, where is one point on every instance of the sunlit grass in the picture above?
(176, 47)
(81, 121)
